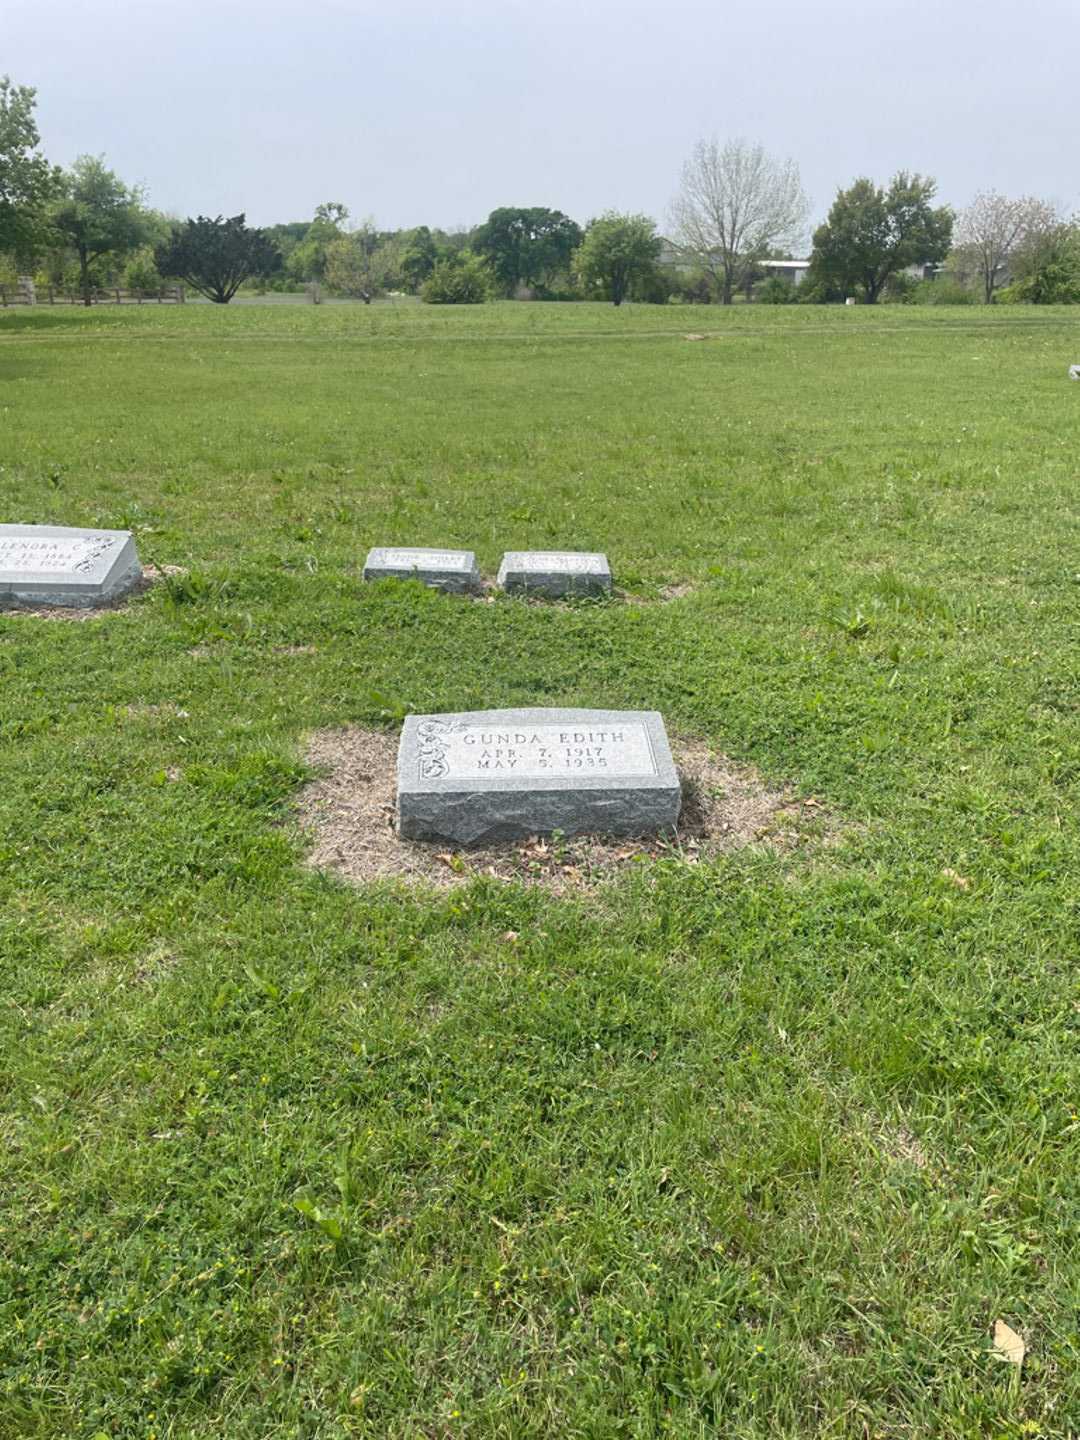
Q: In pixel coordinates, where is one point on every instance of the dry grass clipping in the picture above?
(350, 813)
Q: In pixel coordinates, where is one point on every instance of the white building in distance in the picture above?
(794, 271)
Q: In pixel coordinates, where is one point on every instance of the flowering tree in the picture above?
(736, 204)
(993, 229)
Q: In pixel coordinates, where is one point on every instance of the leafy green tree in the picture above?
(216, 256)
(451, 242)
(27, 181)
(1047, 267)
(331, 213)
(419, 258)
(775, 291)
(871, 233)
(360, 266)
(462, 279)
(527, 247)
(307, 260)
(99, 215)
(141, 273)
(288, 236)
(618, 255)
(691, 285)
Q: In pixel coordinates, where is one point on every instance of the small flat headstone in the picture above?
(61, 565)
(453, 570)
(491, 775)
(555, 573)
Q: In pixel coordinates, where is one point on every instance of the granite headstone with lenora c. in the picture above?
(64, 565)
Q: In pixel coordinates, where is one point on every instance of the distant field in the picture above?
(757, 1147)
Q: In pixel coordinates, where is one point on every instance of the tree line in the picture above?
(737, 210)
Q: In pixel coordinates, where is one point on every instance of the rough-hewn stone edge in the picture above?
(116, 604)
(515, 815)
(557, 587)
(76, 596)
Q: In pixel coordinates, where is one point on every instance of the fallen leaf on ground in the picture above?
(960, 881)
(1008, 1344)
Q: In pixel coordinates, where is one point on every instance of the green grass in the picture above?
(754, 1148)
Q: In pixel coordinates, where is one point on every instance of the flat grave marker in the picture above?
(450, 570)
(64, 565)
(555, 573)
(489, 775)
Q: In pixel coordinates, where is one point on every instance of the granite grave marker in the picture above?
(490, 775)
(554, 573)
(452, 570)
(62, 565)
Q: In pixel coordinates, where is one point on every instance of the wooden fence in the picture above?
(24, 292)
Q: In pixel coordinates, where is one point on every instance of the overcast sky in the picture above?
(416, 111)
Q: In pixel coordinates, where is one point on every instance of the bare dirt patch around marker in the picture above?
(349, 812)
(152, 575)
(676, 592)
(490, 594)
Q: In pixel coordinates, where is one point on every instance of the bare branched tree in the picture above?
(993, 228)
(736, 204)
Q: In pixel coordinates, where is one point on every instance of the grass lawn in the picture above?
(760, 1147)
